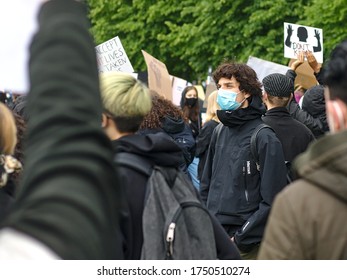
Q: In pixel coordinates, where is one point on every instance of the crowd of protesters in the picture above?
(63, 197)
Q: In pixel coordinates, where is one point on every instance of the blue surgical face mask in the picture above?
(227, 100)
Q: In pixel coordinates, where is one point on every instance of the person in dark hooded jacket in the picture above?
(126, 104)
(234, 190)
(313, 123)
(314, 103)
(166, 117)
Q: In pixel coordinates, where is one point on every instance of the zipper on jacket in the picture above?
(245, 181)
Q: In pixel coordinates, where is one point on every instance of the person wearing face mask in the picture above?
(234, 190)
(308, 220)
(191, 109)
(191, 113)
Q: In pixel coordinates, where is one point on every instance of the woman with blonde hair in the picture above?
(212, 107)
(8, 131)
(8, 164)
(204, 138)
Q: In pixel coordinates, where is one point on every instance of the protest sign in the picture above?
(201, 92)
(158, 77)
(302, 38)
(178, 85)
(111, 56)
(263, 67)
(18, 23)
(305, 76)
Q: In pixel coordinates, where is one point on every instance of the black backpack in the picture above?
(290, 175)
(176, 225)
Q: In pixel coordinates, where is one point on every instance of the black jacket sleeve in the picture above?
(226, 249)
(314, 124)
(291, 74)
(320, 76)
(69, 196)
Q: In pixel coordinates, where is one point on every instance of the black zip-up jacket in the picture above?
(231, 186)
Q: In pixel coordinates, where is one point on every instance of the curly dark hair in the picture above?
(243, 73)
(161, 108)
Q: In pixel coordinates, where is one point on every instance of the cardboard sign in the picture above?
(201, 92)
(305, 76)
(302, 38)
(111, 56)
(18, 23)
(158, 77)
(178, 85)
(211, 87)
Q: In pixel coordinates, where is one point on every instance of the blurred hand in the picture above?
(311, 59)
(300, 60)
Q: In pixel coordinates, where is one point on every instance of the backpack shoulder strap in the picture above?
(254, 142)
(134, 162)
(218, 130)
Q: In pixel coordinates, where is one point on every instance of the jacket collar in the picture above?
(278, 111)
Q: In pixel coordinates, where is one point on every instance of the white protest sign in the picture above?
(302, 38)
(18, 23)
(111, 56)
(264, 67)
(178, 86)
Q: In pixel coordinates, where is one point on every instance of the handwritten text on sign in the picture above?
(111, 56)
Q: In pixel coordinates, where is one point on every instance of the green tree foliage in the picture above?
(189, 36)
(331, 17)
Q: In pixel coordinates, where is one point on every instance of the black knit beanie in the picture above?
(278, 85)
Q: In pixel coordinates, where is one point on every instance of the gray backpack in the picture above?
(176, 225)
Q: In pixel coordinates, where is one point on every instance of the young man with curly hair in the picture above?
(234, 190)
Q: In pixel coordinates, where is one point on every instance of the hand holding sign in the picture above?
(311, 59)
(300, 60)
